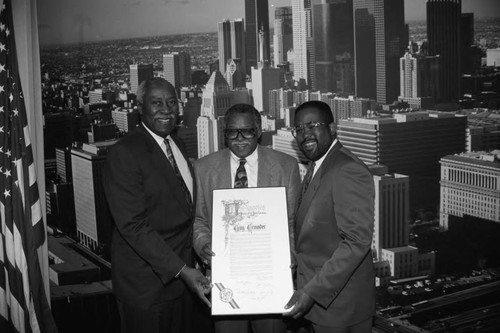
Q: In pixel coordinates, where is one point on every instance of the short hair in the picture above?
(243, 108)
(147, 85)
(322, 107)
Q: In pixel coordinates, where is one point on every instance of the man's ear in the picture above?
(333, 128)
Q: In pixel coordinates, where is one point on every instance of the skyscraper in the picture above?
(256, 19)
(466, 42)
(139, 73)
(302, 42)
(177, 69)
(419, 80)
(333, 46)
(443, 35)
(392, 210)
(380, 39)
(93, 219)
(283, 34)
(407, 143)
(264, 79)
(231, 38)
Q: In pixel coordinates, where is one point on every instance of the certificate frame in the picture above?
(250, 238)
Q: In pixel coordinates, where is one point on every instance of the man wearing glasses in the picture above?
(243, 164)
(334, 228)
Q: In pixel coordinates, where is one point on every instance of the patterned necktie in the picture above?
(240, 179)
(171, 159)
(306, 180)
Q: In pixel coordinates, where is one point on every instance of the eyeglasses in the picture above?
(300, 129)
(247, 133)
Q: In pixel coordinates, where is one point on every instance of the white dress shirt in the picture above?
(251, 167)
(182, 164)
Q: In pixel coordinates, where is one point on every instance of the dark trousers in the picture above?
(182, 315)
(248, 324)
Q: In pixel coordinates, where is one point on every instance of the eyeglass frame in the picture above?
(310, 125)
(240, 131)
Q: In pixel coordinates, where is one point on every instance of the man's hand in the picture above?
(301, 303)
(207, 254)
(197, 283)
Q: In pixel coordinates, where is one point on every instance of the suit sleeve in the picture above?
(202, 231)
(353, 199)
(293, 192)
(124, 188)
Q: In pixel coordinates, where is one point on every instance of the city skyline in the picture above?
(70, 21)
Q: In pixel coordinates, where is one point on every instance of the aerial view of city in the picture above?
(414, 87)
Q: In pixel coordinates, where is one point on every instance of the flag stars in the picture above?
(6, 193)
(2, 89)
(7, 173)
(8, 153)
(2, 67)
(2, 47)
(2, 26)
(1, 107)
(15, 111)
(11, 97)
(1, 129)
(7, 31)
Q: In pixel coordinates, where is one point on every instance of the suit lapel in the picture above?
(265, 168)
(161, 162)
(308, 196)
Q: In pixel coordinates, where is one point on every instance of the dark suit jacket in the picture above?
(214, 172)
(152, 238)
(333, 241)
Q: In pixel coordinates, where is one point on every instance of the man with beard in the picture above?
(334, 228)
(149, 188)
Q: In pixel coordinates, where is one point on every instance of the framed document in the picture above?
(251, 268)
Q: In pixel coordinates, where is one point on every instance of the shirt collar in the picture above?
(251, 159)
(320, 161)
(155, 136)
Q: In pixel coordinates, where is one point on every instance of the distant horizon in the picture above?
(64, 22)
(202, 32)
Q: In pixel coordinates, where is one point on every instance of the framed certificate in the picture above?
(251, 268)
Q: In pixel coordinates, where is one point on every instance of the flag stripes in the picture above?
(23, 303)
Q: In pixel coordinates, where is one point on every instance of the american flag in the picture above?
(23, 304)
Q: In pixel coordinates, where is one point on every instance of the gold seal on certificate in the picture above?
(251, 267)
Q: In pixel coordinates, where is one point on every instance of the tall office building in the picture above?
(93, 219)
(350, 107)
(419, 80)
(125, 119)
(392, 210)
(231, 38)
(216, 99)
(264, 79)
(333, 46)
(234, 74)
(283, 34)
(63, 164)
(470, 185)
(302, 42)
(407, 143)
(443, 36)
(177, 69)
(256, 20)
(380, 39)
(139, 73)
(466, 43)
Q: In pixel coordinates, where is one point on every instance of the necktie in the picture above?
(171, 159)
(240, 179)
(306, 180)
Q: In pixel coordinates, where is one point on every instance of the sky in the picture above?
(70, 21)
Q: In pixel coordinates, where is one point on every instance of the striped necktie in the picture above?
(171, 159)
(240, 179)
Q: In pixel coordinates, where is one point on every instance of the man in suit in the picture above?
(149, 188)
(243, 164)
(334, 229)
